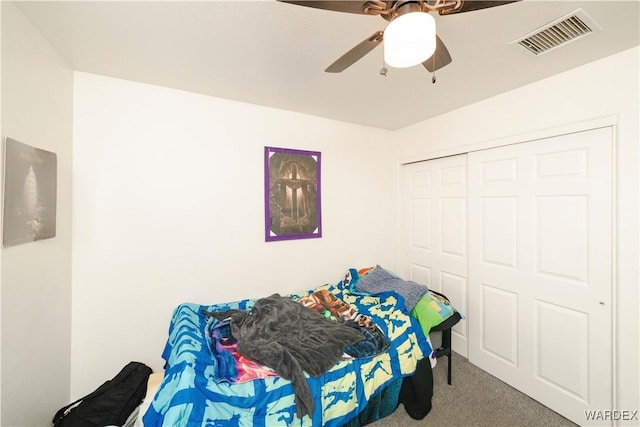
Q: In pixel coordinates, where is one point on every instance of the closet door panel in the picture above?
(434, 231)
(540, 268)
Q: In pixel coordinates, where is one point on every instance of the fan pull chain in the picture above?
(433, 76)
(384, 69)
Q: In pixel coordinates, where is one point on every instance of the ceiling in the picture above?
(274, 54)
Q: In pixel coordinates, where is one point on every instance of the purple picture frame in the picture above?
(292, 194)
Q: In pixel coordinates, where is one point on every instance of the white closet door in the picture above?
(434, 247)
(540, 269)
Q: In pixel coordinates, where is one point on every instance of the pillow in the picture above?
(431, 310)
(379, 280)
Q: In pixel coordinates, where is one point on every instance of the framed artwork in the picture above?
(29, 202)
(292, 194)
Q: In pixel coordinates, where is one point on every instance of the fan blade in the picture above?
(356, 53)
(469, 6)
(439, 59)
(336, 6)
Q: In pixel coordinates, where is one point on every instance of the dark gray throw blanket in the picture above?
(290, 338)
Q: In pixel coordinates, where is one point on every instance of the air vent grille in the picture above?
(558, 33)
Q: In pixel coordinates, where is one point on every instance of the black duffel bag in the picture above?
(111, 403)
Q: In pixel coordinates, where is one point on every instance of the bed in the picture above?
(195, 391)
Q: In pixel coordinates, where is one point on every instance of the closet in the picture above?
(520, 237)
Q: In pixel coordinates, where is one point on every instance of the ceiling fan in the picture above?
(404, 45)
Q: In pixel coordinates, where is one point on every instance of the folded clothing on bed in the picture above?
(378, 280)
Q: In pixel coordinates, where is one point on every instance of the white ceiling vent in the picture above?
(558, 33)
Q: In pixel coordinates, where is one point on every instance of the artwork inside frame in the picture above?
(292, 194)
(29, 196)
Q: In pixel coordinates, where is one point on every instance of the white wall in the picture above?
(36, 277)
(168, 208)
(603, 88)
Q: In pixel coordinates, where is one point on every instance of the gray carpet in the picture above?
(475, 398)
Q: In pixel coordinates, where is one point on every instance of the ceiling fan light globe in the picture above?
(409, 39)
